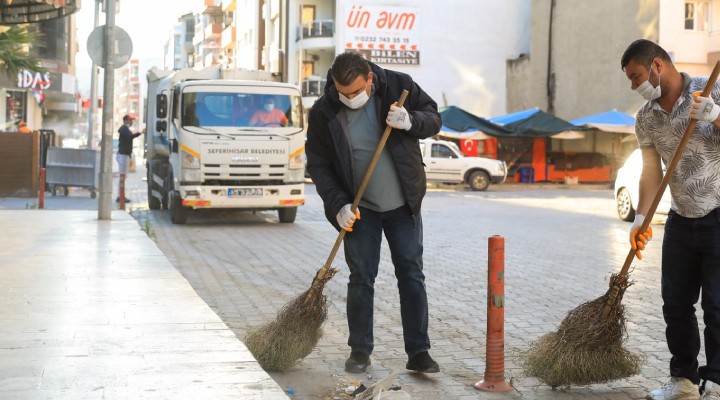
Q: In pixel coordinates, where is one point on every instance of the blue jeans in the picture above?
(404, 235)
(690, 262)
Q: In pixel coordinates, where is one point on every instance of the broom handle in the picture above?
(663, 184)
(371, 168)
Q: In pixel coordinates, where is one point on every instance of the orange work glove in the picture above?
(638, 239)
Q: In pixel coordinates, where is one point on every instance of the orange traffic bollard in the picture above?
(122, 191)
(494, 380)
(41, 190)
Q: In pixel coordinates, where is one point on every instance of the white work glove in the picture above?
(638, 240)
(398, 118)
(346, 218)
(704, 108)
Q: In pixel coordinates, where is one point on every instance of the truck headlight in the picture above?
(297, 162)
(296, 175)
(189, 160)
(191, 175)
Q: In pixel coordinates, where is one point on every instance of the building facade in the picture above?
(573, 68)
(456, 51)
(179, 50)
(46, 100)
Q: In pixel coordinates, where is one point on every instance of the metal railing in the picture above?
(313, 86)
(319, 28)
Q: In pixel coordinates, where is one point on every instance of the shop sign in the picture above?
(34, 80)
(383, 34)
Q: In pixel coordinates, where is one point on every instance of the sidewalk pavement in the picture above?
(92, 309)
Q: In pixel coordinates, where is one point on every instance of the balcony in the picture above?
(313, 86)
(228, 37)
(315, 29)
(213, 31)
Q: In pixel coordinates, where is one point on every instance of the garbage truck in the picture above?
(219, 139)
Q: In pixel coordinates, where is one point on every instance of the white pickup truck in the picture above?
(444, 163)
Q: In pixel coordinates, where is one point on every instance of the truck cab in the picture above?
(225, 144)
(444, 163)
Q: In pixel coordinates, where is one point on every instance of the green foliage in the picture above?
(15, 51)
(147, 227)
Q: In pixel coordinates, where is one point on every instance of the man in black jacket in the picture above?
(344, 129)
(125, 144)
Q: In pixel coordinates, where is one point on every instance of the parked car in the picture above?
(444, 163)
(627, 188)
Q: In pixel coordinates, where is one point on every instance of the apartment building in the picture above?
(179, 49)
(127, 94)
(573, 67)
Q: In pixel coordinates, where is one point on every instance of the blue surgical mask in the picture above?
(269, 107)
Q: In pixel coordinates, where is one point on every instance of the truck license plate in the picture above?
(245, 192)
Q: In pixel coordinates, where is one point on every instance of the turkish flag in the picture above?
(469, 147)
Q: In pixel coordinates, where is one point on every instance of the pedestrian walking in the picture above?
(691, 245)
(344, 129)
(125, 144)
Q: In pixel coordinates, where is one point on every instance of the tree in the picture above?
(15, 51)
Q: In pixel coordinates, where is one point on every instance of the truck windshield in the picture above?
(209, 109)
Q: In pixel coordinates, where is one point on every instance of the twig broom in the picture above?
(297, 328)
(587, 347)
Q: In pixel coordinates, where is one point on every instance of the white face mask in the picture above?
(269, 107)
(647, 91)
(356, 102)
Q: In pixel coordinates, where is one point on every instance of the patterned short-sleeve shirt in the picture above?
(695, 184)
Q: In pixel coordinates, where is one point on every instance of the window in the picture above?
(307, 16)
(308, 69)
(697, 15)
(226, 109)
(442, 151)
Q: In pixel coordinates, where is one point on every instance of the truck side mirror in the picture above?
(160, 126)
(161, 106)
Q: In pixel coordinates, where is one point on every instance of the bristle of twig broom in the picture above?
(295, 332)
(587, 347)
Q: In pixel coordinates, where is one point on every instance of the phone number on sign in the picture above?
(381, 39)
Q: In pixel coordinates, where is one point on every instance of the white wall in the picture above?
(685, 46)
(464, 46)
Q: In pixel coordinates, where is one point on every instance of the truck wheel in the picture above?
(153, 202)
(287, 215)
(178, 213)
(479, 181)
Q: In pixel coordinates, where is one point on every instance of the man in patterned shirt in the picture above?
(691, 246)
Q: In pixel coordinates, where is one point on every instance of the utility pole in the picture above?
(93, 87)
(105, 200)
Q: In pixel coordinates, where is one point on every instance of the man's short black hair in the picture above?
(643, 51)
(348, 66)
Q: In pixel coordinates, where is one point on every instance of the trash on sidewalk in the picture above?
(383, 389)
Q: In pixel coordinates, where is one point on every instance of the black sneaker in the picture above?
(117, 200)
(357, 362)
(422, 362)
